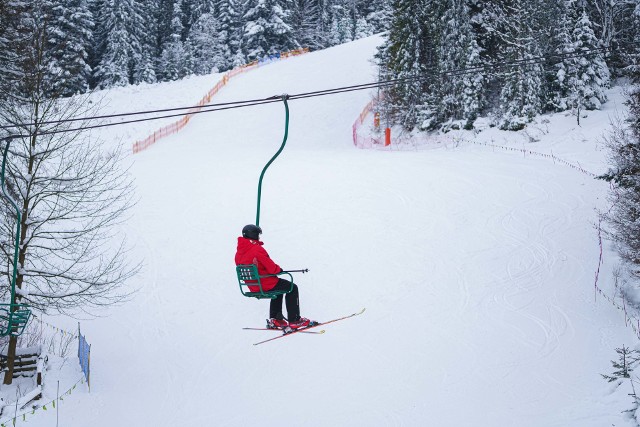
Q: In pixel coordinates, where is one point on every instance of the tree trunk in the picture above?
(11, 357)
(578, 115)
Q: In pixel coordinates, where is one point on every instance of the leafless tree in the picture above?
(71, 191)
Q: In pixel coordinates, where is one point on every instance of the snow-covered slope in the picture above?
(476, 267)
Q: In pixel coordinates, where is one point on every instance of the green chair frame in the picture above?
(248, 273)
(248, 276)
(13, 319)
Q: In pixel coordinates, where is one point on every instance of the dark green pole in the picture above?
(284, 141)
(19, 220)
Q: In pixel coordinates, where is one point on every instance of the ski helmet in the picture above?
(252, 232)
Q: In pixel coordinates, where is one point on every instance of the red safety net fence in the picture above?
(361, 140)
(178, 125)
(376, 137)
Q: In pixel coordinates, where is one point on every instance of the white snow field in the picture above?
(476, 267)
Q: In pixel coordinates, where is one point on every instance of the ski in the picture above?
(309, 327)
(278, 329)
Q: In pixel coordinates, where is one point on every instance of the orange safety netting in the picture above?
(177, 126)
(364, 141)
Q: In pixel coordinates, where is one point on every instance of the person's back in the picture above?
(250, 251)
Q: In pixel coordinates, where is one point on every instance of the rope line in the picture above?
(62, 331)
(12, 421)
(630, 319)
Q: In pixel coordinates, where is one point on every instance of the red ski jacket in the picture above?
(251, 252)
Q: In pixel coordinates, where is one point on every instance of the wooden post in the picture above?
(387, 137)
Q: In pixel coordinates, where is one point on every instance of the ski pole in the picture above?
(306, 270)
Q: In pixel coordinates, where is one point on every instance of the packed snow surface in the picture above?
(476, 266)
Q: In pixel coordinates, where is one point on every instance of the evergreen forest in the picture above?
(566, 54)
(90, 44)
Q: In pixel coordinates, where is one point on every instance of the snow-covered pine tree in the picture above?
(163, 17)
(624, 217)
(521, 94)
(174, 60)
(193, 10)
(305, 23)
(124, 42)
(363, 29)
(367, 16)
(230, 29)
(69, 38)
(94, 50)
(256, 33)
(325, 18)
(614, 26)
(206, 52)
(376, 13)
(485, 19)
(266, 31)
(114, 47)
(630, 42)
(341, 27)
(13, 16)
(474, 85)
(144, 71)
(409, 52)
(351, 6)
(591, 77)
(451, 57)
(628, 361)
(562, 68)
(143, 29)
(460, 95)
(5, 40)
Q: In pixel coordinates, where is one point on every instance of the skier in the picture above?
(250, 251)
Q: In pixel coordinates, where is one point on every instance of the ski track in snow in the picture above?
(475, 266)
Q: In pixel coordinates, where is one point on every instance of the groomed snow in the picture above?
(476, 266)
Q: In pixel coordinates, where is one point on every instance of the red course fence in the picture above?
(364, 141)
(177, 126)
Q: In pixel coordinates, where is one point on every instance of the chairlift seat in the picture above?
(13, 319)
(248, 276)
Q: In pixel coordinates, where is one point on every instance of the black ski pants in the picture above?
(292, 300)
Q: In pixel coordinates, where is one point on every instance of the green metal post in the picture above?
(19, 220)
(284, 141)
